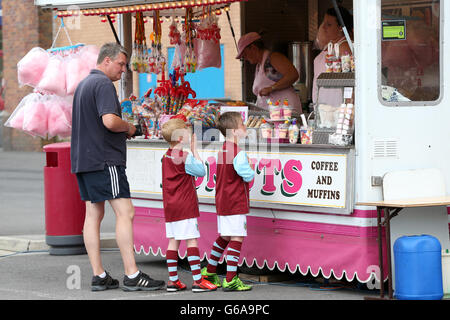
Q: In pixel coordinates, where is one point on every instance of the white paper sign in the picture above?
(348, 92)
(243, 110)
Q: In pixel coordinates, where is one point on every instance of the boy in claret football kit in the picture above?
(234, 172)
(181, 203)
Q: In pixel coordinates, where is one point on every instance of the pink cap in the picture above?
(245, 41)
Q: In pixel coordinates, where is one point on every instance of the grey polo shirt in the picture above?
(92, 145)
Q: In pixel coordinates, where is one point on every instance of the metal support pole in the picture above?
(125, 38)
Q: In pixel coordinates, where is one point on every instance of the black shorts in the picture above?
(107, 184)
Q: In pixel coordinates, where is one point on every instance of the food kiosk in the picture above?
(304, 198)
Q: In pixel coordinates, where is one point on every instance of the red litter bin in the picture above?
(64, 209)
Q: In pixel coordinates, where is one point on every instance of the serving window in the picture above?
(410, 68)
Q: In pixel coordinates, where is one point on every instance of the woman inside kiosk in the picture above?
(330, 30)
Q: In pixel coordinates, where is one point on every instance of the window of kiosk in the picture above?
(410, 70)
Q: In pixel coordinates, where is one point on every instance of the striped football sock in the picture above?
(172, 264)
(194, 261)
(216, 253)
(233, 253)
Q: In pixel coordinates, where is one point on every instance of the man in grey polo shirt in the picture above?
(98, 157)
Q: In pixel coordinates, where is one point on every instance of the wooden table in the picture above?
(391, 209)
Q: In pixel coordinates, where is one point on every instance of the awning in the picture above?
(68, 8)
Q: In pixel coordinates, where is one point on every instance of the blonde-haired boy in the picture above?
(181, 203)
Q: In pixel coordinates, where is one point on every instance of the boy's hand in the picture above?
(193, 143)
(250, 163)
(194, 147)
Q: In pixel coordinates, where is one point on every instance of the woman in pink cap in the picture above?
(274, 75)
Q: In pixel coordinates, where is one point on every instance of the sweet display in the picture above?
(190, 59)
(56, 73)
(305, 135)
(305, 132)
(280, 121)
(207, 48)
(149, 112)
(283, 130)
(329, 58)
(345, 119)
(346, 61)
(275, 110)
(201, 111)
(144, 111)
(139, 56)
(173, 96)
(336, 63)
(293, 132)
(254, 122)
(278, 111)
(197, 45)
(286, 109)
(174, 33)
(157, 62)
(266, 129)
(344, 128)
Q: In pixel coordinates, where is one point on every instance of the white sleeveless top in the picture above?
(262, 81)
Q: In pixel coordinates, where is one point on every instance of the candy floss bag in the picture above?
(35, 116)
(178, 57)
(208, 54)
(207, 44)
(16, 119)
(32, 66)
(77, 69)
(79, 64)
(66, 106)
(58, 122)
(89, 55)
(54, 77)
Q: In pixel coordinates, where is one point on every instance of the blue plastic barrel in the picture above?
(418, 268)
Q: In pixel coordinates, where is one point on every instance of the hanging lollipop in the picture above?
(174, 34)
(190, 60)
(163, 92)
(139, 53)
(152, 57)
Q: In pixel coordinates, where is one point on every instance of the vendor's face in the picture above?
(330, 30)
(115, 67)
(250, 54)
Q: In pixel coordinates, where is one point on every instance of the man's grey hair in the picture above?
(111, 50)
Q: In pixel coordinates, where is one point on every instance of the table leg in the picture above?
(387, 219)
(380, 252)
